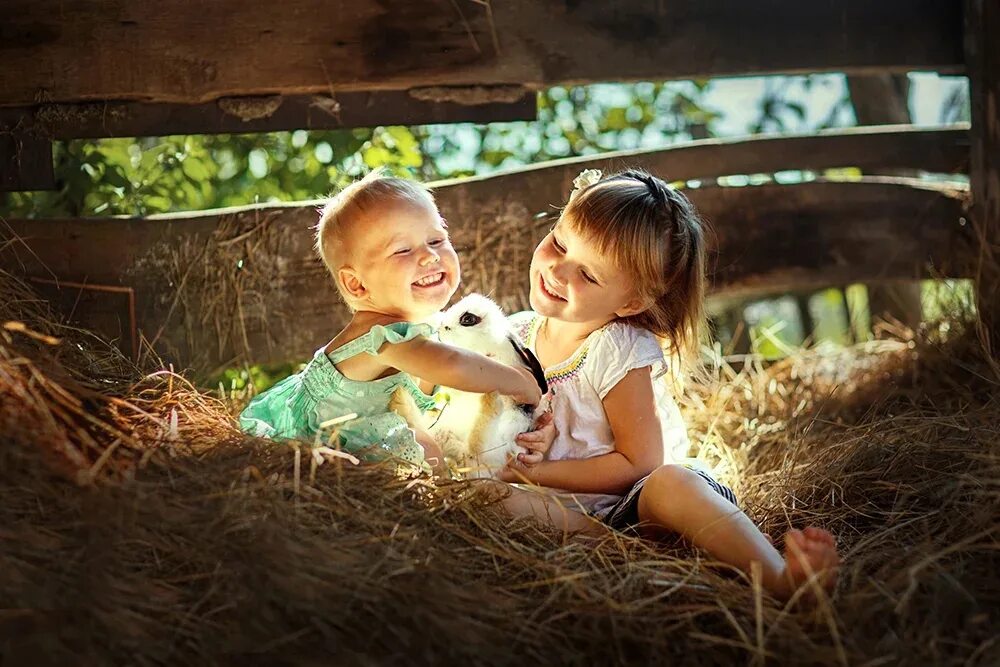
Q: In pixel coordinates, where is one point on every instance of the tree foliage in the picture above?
(142, 176)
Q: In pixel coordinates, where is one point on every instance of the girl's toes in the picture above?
(815, 533)
(794, 540)
(827, 537)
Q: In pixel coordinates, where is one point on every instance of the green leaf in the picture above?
(194, 168)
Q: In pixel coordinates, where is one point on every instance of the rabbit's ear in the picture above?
(531, 361)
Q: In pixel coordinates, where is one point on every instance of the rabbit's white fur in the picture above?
(477, 429)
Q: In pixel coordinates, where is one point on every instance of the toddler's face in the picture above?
(572, 281)
(405, 260)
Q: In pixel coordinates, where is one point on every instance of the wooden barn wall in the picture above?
(219, 287)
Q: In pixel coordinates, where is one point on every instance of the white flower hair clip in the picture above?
(586, 178)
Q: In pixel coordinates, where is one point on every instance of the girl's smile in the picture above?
(549, 292)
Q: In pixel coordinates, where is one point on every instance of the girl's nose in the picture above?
(557, 274)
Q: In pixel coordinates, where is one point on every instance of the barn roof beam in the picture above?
(186, 52)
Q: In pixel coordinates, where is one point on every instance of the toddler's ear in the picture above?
(350, 283)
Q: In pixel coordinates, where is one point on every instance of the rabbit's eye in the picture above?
(469, 320)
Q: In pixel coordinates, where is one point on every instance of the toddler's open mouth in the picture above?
(432, 280)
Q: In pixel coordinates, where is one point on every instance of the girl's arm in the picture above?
(631, 410)
(443, 364)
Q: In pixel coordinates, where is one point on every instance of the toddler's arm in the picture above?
(631, 410)
(450, 366)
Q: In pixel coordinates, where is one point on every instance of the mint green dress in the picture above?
(297, 407)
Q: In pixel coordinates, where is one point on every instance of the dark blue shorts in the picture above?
(624, 514)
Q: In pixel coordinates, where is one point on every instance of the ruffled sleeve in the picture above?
(379, 335)
(622, 348)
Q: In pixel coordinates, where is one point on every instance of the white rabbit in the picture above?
(478, 429)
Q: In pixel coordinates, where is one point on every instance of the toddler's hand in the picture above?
(432, 453)
(529, 394)
(538, 441)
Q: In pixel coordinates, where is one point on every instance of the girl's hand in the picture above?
(538, 441)
(516, 472)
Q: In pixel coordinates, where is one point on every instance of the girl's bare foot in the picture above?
(809, 552)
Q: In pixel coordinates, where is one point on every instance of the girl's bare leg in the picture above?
(678, 500)
(522, 503)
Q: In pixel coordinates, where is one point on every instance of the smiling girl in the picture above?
(622, 270)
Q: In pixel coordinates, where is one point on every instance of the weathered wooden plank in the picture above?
(245, 285)
(874, 150)
(983, 60)
(267, 114)
(195, 52)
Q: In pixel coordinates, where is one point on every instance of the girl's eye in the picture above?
(401, 251)
(436, 242)
(588, 278)
(558, 245)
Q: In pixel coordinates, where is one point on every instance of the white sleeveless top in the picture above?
(578, 385)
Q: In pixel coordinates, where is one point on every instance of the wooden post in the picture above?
(881, 99)
(805, 315)
(25, 162)
(982, 53)
(852, 336)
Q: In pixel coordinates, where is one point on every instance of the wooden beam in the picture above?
(195, 52)
(245, 285)
(873, 150)
(268, 113)
(983, 61)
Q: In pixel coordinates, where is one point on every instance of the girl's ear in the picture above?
(351, 283)
(634, 306)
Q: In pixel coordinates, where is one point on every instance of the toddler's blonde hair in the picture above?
(364, 195)
(652, 232)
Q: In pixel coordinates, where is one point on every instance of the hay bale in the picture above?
(191, 543)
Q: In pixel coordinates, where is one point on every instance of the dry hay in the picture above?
(212, 291)
(195, 544)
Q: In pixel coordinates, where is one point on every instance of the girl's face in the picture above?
(572, 281)
(404, 265)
